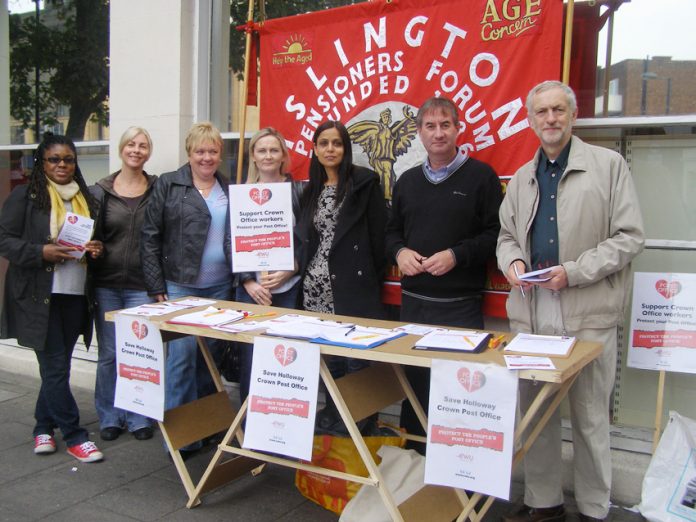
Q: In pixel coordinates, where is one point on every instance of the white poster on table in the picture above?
(471, 426)
(261, 221)
(139, 367)
(282, 403)
(663, 322)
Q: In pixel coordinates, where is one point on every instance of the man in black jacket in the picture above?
(443, 229)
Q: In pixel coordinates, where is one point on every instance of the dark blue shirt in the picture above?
(545, 226)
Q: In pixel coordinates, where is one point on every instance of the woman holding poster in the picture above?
(269, 163)
(47, 286)
(118, 275)
(185, 248)
(342, 234)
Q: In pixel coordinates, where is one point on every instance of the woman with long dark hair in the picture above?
(46, 303)
(342, 231)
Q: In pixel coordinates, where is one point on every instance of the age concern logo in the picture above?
(292, 49)
(506, 19)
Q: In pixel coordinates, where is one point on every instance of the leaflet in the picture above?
(528, 362)
(75, 233)
(531, 344)
(211, 316)
(537, 276)
(155, 309)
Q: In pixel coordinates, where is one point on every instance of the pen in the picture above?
(349, 330)
(493, 343)
(369, 336)
(517, 274)
(269, 314)
(469, 341)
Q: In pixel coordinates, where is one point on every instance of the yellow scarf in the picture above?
(58, 194)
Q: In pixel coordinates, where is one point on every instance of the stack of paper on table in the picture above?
(531, 344)
(155, 309)
(454, 341)
(211, 316)
(308, 328)
(359, 337)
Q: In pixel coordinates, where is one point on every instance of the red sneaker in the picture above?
(44, 444)
(86, 452)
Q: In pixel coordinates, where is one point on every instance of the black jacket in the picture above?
(119, 227)
(357, 256)
(24, 230)
(175, 230)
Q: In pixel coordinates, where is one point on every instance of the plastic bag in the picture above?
(403, 472)
(340, 454)
(669, 485)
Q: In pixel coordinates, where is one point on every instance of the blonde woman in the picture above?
(185, 251)
(268, 163)
(118, 275)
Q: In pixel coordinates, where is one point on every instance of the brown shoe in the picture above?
(587, 518)
(530, 514)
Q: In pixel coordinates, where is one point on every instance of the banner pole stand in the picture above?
(245, 91)
(658, 410)
(567, 44)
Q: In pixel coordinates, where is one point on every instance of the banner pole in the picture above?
(245, 91)
(658, 410)
(567, 44)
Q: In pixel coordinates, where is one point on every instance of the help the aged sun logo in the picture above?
(505, 19)
(292, 49)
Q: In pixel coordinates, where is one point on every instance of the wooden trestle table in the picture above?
(357, 396)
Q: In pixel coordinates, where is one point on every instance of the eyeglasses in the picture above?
(55, 160)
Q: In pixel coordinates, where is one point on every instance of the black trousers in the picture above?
(464, 314)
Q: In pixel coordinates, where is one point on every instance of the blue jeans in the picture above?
(186, 375)
(246, 351)
(55, 405)
(109, 299)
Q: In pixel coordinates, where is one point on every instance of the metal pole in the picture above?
(568, 41)
(607, 64)
(37, 78)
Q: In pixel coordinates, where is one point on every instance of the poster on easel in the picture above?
(282, 403)
(139, 367)
(471, 426)
(663, 322)
(261, 222)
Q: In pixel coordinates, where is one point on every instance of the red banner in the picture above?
(137, 373)
(280, 406)
(467, 437)
(371, 66)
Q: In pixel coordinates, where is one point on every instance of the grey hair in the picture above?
(548, 85)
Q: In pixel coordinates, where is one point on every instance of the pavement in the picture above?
(136, 481)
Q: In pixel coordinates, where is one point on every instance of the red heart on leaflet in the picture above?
(140, 330)
(471, 381)
(72, 219)
(668, 289)
(260, 196)
(284, 355)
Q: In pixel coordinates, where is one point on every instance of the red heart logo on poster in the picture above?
(668, 289)
(471, 381)
(72, 219)
(140, 330)
(284, 355)
(260, 196)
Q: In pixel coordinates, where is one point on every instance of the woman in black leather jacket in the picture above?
(185, 251)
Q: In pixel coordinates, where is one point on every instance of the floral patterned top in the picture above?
(316, 292)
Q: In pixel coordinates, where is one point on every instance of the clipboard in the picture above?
(541, 345)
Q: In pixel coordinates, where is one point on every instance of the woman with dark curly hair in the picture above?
(46, 303)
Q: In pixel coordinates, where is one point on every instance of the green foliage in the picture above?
(239, 10)
(71, 49)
